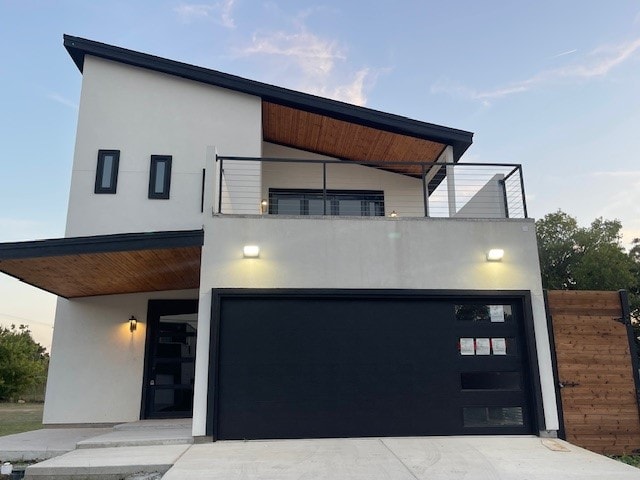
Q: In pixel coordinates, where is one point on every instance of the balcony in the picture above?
(328, 187)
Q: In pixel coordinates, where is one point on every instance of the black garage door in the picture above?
(307, 366)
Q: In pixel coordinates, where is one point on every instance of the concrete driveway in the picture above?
(424, 458)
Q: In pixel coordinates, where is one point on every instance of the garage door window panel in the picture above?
(493, 416)
(490, 313)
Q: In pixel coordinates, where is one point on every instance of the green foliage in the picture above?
(23, 362)
(556, 244)
(587, 258)
(633, 460)
(591, 258)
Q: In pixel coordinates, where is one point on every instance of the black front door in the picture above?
(170, 359)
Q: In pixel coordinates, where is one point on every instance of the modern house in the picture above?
(278, 265)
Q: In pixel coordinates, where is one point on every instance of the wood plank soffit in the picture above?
(108, 273)
(337, 138)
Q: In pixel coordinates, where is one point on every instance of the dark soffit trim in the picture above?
(460, 139)
(121, 242)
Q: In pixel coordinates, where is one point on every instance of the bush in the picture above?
(23, 362)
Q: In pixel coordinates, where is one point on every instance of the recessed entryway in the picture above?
(170, 359)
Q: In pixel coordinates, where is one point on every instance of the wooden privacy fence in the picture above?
(597, 370)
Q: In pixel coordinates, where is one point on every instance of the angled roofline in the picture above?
(460, 140)
(119, 242)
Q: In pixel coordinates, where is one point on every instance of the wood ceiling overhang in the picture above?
(107, 264)
(326, 135)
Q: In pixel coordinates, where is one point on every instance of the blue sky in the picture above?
(552, 85)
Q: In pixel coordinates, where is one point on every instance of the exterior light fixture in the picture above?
(263, 206)
(133, 324)
(393, 214)
(251, 251)
(495, 255)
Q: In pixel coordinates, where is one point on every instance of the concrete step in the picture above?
(139, 437)
(44, 444)
(169, 423)
(108, 463)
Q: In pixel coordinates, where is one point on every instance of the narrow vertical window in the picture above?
(107, 171)
(160, 176)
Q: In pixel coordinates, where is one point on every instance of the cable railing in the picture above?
(287, 186)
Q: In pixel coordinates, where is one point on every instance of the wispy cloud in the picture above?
(598, 63)
(221, 12)
(604, 58)
(314, 55)
(563, 54)
(351, 92)
(62, 100)
(312, 63)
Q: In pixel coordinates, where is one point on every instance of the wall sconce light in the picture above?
(133, 324)
(264, 206)
(251, 251)
(393, 214)
(495, 255)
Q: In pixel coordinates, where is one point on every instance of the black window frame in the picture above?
(98, 188)
(333, 197)
(153, 172)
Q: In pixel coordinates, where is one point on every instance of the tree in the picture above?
(584, 258)
(23, 362)
(556, 249)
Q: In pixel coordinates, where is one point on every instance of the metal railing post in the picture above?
(503, 184)
(524, 198)
(220, 186)
(324, 187)
(425, 191)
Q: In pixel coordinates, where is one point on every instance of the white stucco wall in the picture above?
(144, 113)
(96, 365)
(488, 202)
(96, 369)
(385, 253)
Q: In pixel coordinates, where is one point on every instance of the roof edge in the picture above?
(461, 140)
(120, 242)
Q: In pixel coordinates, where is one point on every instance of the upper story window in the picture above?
(358, 203)
(107, 171)
(160, 176)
